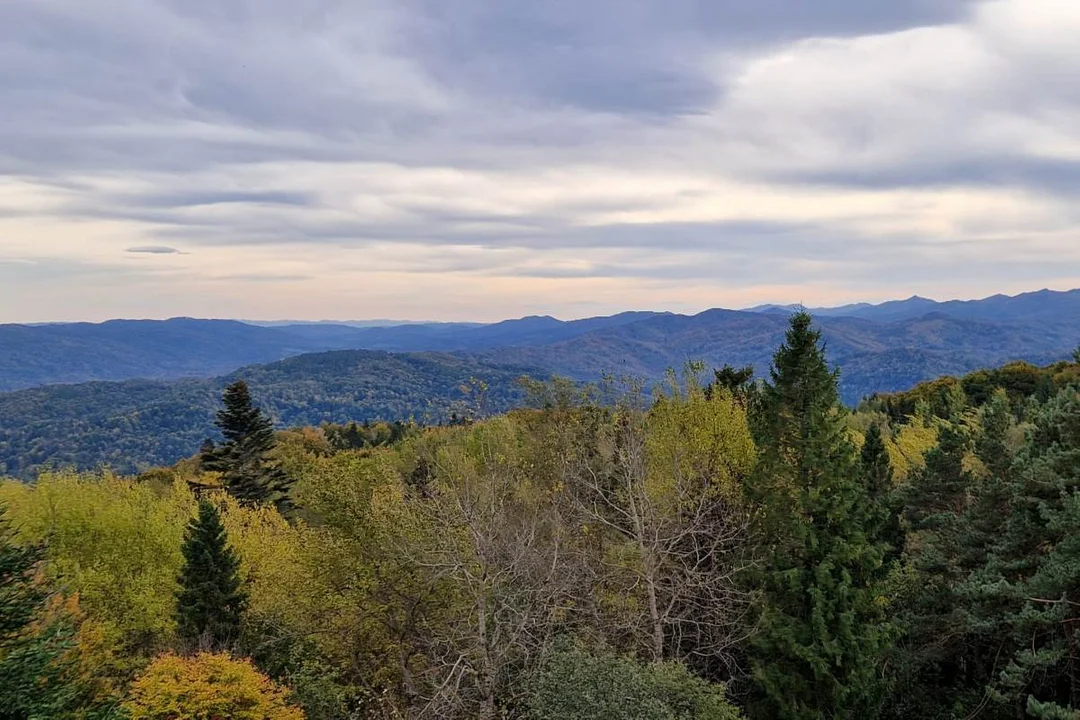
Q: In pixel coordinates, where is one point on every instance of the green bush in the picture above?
(575, 683)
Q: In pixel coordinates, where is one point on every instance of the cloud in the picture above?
(154, 250)
(473, 156)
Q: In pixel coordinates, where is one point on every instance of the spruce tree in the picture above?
(243, 458)
(32, 682)
(821, 631)
(210, 602)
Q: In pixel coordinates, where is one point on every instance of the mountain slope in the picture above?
(873, 357)
(122, 349)
(135, 424)
(184, 347)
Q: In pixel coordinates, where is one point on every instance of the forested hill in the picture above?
(597, 557)
(136, 424)
(881, 347)
(872, 357)
(33, 355)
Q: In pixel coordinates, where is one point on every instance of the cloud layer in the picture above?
(476, 159)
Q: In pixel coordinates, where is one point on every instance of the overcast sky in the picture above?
(482, 159)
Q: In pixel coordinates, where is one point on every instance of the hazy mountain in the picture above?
(954, 335)
(121, 349)
(873, 356)
(32, 355)
(136, 423)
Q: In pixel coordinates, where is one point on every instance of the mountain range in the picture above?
(145, 390)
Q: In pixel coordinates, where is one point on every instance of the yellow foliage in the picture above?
(272, 553)
(113, 541)
(910, 443)
(207, 687)
(693, 438)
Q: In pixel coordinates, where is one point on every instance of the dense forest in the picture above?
(133, 425)
(717, 547)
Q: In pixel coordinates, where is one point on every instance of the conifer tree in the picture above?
(243, 458)
(821, 630)
(211, 601)
(881, 510)
(1039, 562)
(32, 683)
(951, 616)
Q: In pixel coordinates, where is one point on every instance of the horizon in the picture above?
(470, 159)
(390, 322)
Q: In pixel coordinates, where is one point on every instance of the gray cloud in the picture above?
(519, 130)
(154, 250)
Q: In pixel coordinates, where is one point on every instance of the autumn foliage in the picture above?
(207, 687)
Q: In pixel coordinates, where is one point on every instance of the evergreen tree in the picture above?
(737, 381)
(883, 515)
(32, 683)
(821, 631)
(210, 602)
(935, 678)
(1039, 566)
(243, 458)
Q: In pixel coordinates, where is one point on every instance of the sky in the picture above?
(485, 159)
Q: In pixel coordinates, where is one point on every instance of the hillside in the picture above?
(134, 424)
(872, 356)
(34, 355)
(919, 338)
(124, 349)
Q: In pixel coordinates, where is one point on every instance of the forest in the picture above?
(719, 547)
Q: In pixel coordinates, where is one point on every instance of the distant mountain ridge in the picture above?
(1024, 307)
(913, 337)
(134, 423)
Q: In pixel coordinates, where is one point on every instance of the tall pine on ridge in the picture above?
(210, 602)
(243, 459)
(821, 630)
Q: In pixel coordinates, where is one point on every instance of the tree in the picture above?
(821, 629)
(243, 458)
(660, 492)
(210, 602)
(737, 381)
(882, 513)
(1039, 566)
(205, 687)
(32, 683)
(576, 683)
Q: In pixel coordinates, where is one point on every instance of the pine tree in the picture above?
(955, 615)
(1039, 564)
(882, 509)
(32, 683)
(821, 631)
(210, 602)
(243, 458)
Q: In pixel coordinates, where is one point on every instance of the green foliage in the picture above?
(243, 459)
(821, 631)
(940, 398)
(576, 683)
(683, 537)
(210, 602)
(1038, 563)
(115, 543)
(133, 425)
(33, 685)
